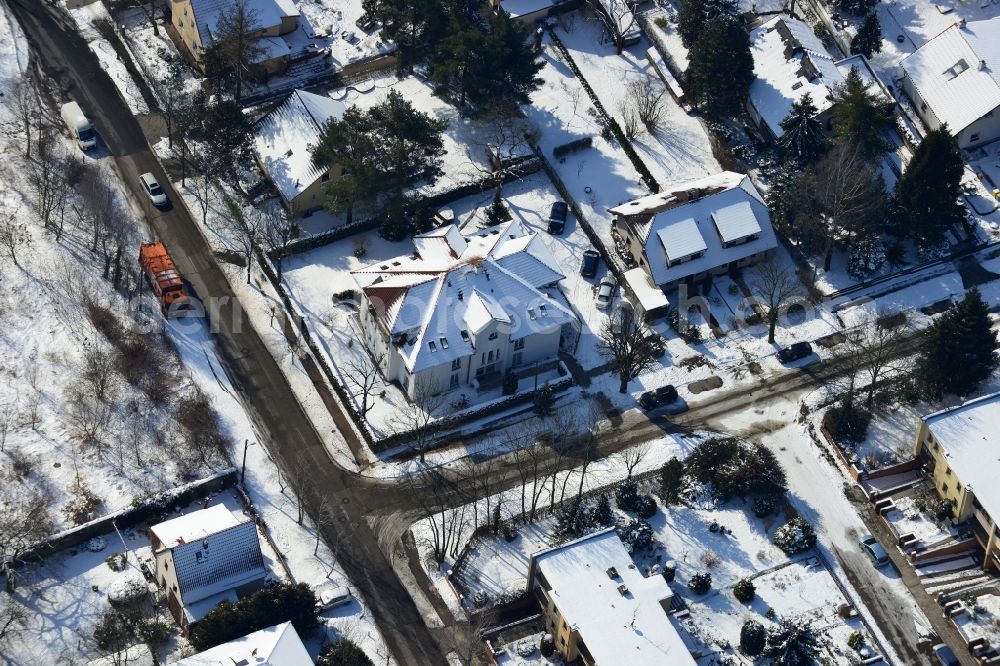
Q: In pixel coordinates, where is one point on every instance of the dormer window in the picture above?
(433, 346)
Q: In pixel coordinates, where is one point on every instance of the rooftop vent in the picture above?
(612, 572)
(623, 589)
(796, 85)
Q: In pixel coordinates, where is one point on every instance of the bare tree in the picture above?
(876, 343)
(244, 230)
(618, 20)
(238, 43)
(633, 456)
(774, 288)
(362, 372)
(417, 417)
(22, 103)
(173, 99)
(14, 236)
(25, 519)
(630, 119)
(7, 413)
(149, 8)
(646, 94)
(625, 343)
(841, 197)
(13, 618)
(44, 173)
(279, 230)
(529, 459)
(433, 490)
(503, 135)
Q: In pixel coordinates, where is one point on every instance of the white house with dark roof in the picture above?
(954, 78)
(789, 60)
(204, 558)
(279, 645)
(282, 144)
(695, 229)
(600, 609)
(462, 310)
(197, 24)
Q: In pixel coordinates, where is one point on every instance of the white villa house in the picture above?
(954, 78)
(789, 60)
(204, 558)
(463, 310)
(690, 231)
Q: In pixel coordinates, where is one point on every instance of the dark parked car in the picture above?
(557, 217)
(945, 655)
(591, 260)
(795, 352)
(874, 550)
(661, 396)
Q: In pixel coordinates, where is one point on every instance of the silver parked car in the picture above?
(330, 596)
(874, 550)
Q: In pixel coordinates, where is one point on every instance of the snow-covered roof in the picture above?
(620, 614)
(650, 296)
(279, 645)
(268, 14)
(970, 435)
(698, 216)
(516, 8)
(788, 62)
(213, 551)
(956, 72)
(285, 136)
(435, 301)
(195, 526)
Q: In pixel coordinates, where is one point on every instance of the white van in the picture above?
(79, 127)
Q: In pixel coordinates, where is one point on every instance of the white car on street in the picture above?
(606, 292)
(152, 189)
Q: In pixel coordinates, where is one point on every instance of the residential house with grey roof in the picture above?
(462, 310)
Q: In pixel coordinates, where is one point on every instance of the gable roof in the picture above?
(286, 134)
(435, 301)
(615, 609)
(789, 60)
(213, 551)
(698, 216)
(207, 12)
(956, 72)
(279, 645)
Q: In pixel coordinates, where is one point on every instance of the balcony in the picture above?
(984, 520)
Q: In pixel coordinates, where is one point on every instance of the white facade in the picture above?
(463, 310)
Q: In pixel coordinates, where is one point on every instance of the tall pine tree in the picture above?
(868, 41)
(862, 115)
(803, 140)
(958, 352)
(927, 195)
(720, 68)
(858, 7)
(695, 14)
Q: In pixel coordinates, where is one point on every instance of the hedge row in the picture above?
(640, 166)
(433, 201)
(452, 422)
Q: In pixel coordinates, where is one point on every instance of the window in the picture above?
(454, 380)
(974, 137)
(519, 344)
(517, 358)
(489, 357)
(493, 335)
(444, 343)
(325, 178)
(456, 364)
(923, 106)
(433, 346)
(944, 487)
(947, 471)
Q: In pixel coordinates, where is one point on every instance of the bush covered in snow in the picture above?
(753, 636)
(735, 467)
(866, 258)
(548, 646)
(744, 591)
(636, 534)
(645, 506)
(795, 536)
(792, 643)
(129, 588)
(847, 424)
(700, 583)
(343, 653)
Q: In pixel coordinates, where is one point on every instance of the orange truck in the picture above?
(163, 277)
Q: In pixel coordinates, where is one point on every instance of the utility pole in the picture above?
(243, 469)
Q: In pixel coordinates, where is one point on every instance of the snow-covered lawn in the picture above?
(907, 518)
(680, 151)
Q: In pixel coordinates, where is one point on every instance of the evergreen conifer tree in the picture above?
(602, 514)
(958, 352)
(695, 14)
(803, 140)
(781, 193)
(720, 68)
(497, 211)
(868, 41)
(858, 7)
(572, 521)
(671, 481)
(927, 195)
(862, 115)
